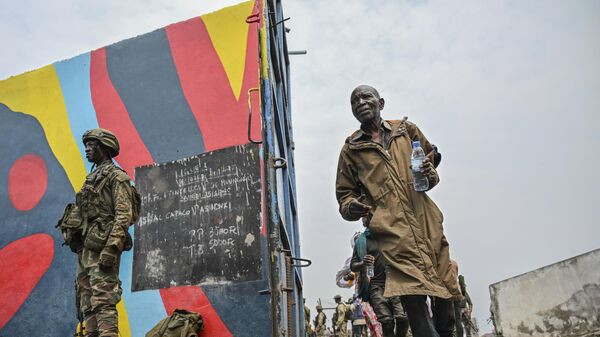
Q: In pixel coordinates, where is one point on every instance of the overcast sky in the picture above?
(508, 90)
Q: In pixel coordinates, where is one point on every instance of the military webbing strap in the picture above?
(164, 326)
(185, 328)
(96, 189)
(85, 223)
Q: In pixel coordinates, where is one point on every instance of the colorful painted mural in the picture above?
(175, 92)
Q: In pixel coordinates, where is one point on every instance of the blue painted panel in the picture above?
(145, 308)
(245, 313)
(52, 301)
(74, 78)
(144, 74)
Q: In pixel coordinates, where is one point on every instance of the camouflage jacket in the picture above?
(320, 321)
(340, 314)
(106, 196)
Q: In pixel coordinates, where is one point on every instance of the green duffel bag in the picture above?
(181, 323)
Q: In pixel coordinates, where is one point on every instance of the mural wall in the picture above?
(175, 92)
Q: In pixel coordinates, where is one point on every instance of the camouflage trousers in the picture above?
(98, 291)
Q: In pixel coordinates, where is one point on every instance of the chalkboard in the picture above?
(199, 221)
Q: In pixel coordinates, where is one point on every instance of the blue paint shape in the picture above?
(144, 308)
(143, 72)
(74, 78)
(242, 309)
(49, 311)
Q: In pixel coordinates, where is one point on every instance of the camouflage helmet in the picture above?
(319, 307)
(337, 297)
(105, 138)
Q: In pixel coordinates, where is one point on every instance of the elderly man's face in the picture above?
(366, 104)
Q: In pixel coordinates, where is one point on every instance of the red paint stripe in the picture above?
(193, 298)
(112, 115)
(223, 122)
(22, 264)
(222, 119)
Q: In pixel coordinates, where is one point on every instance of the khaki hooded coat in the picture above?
(407, 225)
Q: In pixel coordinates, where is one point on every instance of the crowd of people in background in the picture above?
(369, 314)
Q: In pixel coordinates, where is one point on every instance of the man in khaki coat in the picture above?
(374, 180)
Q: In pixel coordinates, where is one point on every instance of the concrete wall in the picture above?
(171, 93)
(559, 300)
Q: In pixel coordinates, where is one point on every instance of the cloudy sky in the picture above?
(508, 90)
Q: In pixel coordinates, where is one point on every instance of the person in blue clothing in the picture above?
(389, 311)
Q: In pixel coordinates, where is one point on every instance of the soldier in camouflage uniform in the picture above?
(466, 308)
(340, 321)
(105, 205)
(320, 322)
(307, 327)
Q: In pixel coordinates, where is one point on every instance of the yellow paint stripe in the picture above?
(37, 93)
(228, 32)
(124, 330)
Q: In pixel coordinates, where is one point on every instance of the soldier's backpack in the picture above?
(136, 202)
(136, 199)
(181, 323)
(349, 313)
(136, 205)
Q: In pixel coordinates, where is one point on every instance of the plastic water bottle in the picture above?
(370, 271)
(420, 182)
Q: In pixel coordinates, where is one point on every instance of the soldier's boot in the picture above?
(108, 322)
(401, 326)
(388, 328)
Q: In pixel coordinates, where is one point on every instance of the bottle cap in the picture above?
(416, 143)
